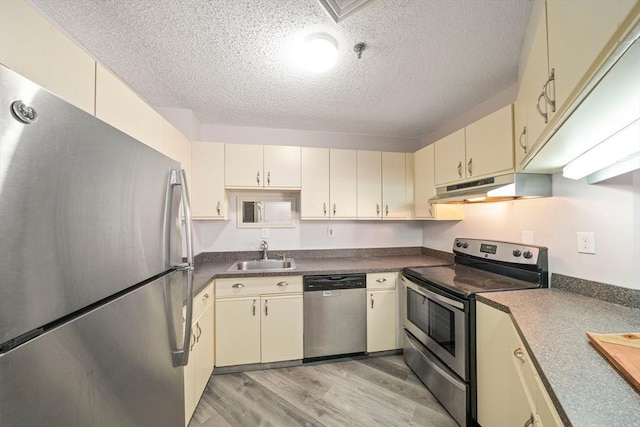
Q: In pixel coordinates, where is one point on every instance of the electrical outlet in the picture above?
(586, 242)
(330, 232)
(265, 233)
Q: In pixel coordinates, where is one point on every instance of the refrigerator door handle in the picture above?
(181, 356)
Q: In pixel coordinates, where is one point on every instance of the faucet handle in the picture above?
(283, 256)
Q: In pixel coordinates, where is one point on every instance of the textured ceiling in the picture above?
(426, 61)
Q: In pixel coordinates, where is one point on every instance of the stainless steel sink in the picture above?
(263, 264)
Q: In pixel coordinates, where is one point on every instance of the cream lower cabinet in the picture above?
(381, 311)
(258, 320)
(425, 188)
(510, 392)
(208, 196)
(200, 366)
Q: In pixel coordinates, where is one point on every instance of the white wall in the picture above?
(610, 209)
(220, 236)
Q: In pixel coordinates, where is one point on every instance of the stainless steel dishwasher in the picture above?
(335, 315)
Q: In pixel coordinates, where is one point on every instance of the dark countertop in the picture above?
(585, 387)
(207, 271)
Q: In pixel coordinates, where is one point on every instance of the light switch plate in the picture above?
(265, 233)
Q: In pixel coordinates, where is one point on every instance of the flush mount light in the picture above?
(320, 52)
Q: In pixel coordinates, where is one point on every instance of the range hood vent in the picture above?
(495, 189)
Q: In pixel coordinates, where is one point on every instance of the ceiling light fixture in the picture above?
(320, 52)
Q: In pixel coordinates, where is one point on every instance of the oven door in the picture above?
(439, 323)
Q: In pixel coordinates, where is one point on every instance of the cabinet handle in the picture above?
(199, 332)
(386, 210)
(266, 307)
(268, 178)
(258, 178)
(238, 286)
(519, 354)
(371, 301)
(218, 208)
(381, 280)
(460, 169)
(545, 91)
(205, 297)
(254, 307)
(377, 209)
(283, 284)
(193, 340)
(334, 209)
(324, 209)
(529, 422)
(543, 115)
(524, 146)
(470, 166)
(430, 207)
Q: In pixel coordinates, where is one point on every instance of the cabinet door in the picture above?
(32, 47)
(237, 329)
(369, 171)
(578, 31)
(381, 320)
(489, 144)
(409, 176)
(208, 199)
(282, 327)
(243, 166)
(343, 183)
(424, 183)
(314, 195)
(450, 158)
(534, 77)
(281, 166)
(394, 186)
(202, 356)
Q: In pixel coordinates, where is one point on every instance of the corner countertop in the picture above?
(205, 272)
(586, 389)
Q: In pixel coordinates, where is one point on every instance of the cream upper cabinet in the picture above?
(208, 197)
(489, 144)
(578, 31)
(32, 47)
(369, 183)
(394, 184)
(314, 195)
(119, 106)
(425, 188)
(281, 326)
(450, 158)
(176, 146)
(258, 166)
(410, 185)
(535, 111)
(343, 184)
(481, 149)
(243, 166)
(510, 391)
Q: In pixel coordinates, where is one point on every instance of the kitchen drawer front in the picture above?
(382, 280)
(202, 300)
(246, 286)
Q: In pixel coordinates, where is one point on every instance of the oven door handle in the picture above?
(432, 295)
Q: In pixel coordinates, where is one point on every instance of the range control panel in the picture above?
(499, 251)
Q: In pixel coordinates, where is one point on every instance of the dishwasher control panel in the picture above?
(332, 282)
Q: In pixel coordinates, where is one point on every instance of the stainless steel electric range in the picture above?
(439, 315)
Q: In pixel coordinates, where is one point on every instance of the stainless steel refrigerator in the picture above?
(92, 278)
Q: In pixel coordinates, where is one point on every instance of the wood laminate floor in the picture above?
(368, 391)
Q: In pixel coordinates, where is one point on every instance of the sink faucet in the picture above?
(264, 246)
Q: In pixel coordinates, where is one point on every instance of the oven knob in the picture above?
(458, 244)
(517, 253)
(465, 245)
(527, 254)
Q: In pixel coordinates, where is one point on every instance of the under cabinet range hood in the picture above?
(495, 189)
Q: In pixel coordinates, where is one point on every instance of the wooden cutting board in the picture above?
(623, 351)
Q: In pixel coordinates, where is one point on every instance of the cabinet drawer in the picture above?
(381, 280)
(202, 300)
(246, 286)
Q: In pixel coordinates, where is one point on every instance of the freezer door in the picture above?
(109, 367)
(83, 209)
